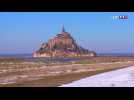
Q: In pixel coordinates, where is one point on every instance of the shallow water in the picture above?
(28, 57)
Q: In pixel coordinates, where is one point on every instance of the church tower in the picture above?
(63, 29)
(63, 32)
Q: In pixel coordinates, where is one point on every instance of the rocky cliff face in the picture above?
(62, 45)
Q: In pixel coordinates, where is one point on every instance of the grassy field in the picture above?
(54, 81)
(91, 66)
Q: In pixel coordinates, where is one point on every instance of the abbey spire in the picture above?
(63, 29)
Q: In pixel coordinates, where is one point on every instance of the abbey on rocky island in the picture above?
(62, 45)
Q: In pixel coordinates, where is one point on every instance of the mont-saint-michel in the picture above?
(63, 45)
(92, 50)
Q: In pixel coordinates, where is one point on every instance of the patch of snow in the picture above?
(118, 78)
(57, 72)
(23, 76)
(8, 80)
(68, 71)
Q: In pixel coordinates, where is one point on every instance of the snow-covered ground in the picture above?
(118, 78)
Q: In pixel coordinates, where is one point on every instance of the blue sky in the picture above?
(23, 32)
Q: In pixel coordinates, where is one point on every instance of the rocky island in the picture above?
(62, 45)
